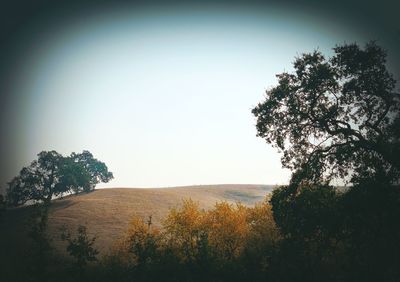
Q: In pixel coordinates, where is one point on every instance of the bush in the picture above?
(80, 247)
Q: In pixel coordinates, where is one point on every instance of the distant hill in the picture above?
(107, 212)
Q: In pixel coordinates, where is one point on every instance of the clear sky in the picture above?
(162, 96)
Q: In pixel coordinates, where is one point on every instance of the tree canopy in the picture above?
(336, 117)
(53, 174)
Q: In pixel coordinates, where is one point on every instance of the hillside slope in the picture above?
(107, 212)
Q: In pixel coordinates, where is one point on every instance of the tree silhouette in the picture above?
(335, 117)
(81, 247)
(40, 250)
(53, 174)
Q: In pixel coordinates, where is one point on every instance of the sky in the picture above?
(163, 93)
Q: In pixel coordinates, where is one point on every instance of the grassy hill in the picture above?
(107, 212)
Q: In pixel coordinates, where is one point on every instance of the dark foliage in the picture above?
(335, 117)
(2, 205)
(80, 247)
(53, 174)
(338, 236)
(40, 252)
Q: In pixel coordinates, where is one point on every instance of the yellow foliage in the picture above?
(182, 229)
(228, 229)
(192, 234)
(139, 242)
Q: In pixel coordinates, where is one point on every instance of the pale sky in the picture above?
(162, 96)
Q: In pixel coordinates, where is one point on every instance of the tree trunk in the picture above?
(47, 200)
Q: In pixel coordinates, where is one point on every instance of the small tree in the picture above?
(53, 174)
(41, 241)
(139, 250)
(228, 230)
(143, 241)
(81, 247)
(184, 228)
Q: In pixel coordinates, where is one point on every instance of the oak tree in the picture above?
(336, 117)
(53, 174)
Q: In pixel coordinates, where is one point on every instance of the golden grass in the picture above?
(107, 212)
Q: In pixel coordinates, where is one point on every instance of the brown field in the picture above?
(107, 212)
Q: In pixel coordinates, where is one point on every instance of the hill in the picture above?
(107, 212)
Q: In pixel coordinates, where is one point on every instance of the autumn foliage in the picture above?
(196, 240)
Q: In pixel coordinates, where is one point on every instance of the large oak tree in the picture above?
(336, 117)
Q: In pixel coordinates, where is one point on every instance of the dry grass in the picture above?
(107, 212)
